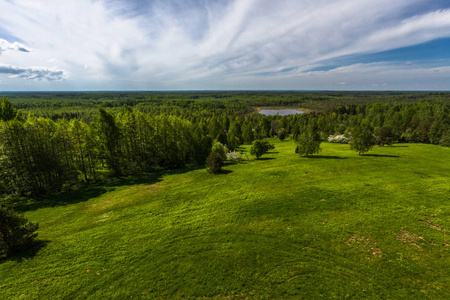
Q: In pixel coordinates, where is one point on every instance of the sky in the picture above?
(99, 45)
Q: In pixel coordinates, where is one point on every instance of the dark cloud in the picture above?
(34, 73)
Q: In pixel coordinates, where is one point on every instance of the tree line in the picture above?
(40, 155)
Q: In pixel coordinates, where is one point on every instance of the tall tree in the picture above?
(362, 139)
(308, 141)
(110, 139)
(7, 111)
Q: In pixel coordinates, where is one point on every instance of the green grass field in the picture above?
(335, 226)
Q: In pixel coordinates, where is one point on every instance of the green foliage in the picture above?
(214, 163)
(186, 234)
(308, 141)
(384, 135)
(16, 233)
(7, 112)
(445, 139)
(110, 137)
(260, 147)
(247, 133)
(362, 138)
(43, 153)
(220, 149)
(281, 134)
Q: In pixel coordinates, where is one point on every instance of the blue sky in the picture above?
(224, 45)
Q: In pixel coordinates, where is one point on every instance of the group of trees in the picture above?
(58, 142)
(41, 155)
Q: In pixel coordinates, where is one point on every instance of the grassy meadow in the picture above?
(337, 225)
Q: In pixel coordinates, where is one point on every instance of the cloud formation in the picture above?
(5, 45)
(34, 73)
(197, 44)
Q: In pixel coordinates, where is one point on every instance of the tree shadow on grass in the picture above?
(27, 253)
(325, 157)
(381, 155)
(77, 195)
(266, 158)
(85, 192)
(225, 172)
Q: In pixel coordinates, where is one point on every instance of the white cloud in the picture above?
(15, 46)
(34, 73)
(207, 44)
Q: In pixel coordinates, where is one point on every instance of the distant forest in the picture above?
(52, 141)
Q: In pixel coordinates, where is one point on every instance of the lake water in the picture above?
(281, 112)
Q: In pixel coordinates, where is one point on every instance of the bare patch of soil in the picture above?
(429, 223)
(364, 244)
(409, 238)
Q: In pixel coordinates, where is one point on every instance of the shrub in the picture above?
(214, 163)
(338, 139)
(234, 155)
(16, 233)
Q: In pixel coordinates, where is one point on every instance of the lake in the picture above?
(281, 112)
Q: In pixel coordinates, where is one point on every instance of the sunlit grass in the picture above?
(339, 225)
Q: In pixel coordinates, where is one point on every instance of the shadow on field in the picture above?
(225, 172)
(266, 158)
(77, 195)
(30, 252)
(381, 155)
(85, 192)
(325, 157)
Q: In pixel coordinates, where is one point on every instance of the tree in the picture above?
(220, 149)
(7, 112)
(260, 147)
(16, 233)
(384, 135)
(247, 133)
(281, 134)
(362, 138)
(110, 138)
(308, 142)
(214, 163)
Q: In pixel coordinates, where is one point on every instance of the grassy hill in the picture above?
(338, 225)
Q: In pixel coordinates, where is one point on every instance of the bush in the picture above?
(338, 139)
(16, 233)
(214, 163)
(234, 155)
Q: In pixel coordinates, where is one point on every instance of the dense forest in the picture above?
(51, 141)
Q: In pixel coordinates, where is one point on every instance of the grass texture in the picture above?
(337, 225)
